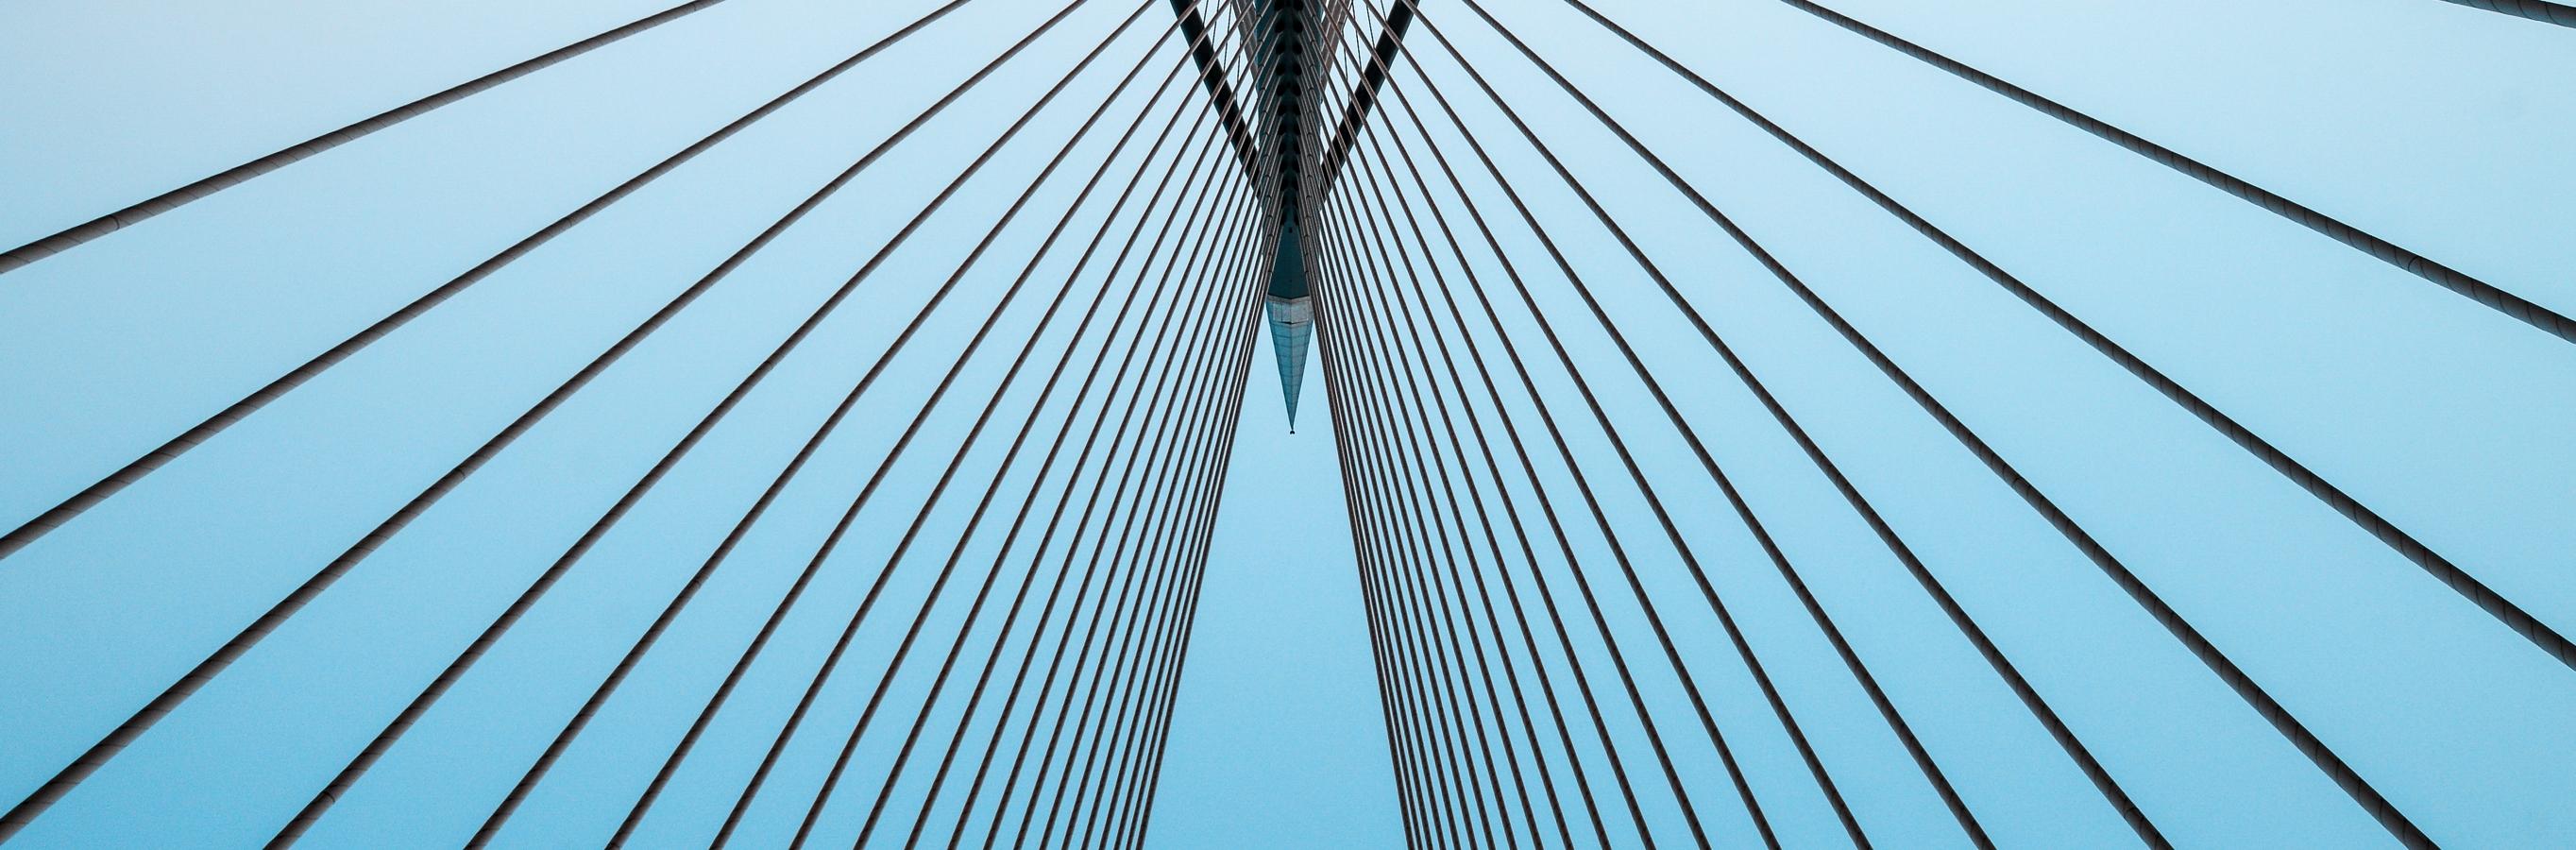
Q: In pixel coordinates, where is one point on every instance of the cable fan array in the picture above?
(1553, 575)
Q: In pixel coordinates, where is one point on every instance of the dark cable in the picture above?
(1010, 540)
(1423, 587)
(178, 692)
(2539, 10)
(1126, 652)
(1744, 651)
(921, 719)
(2406, 545)
(1413, 330)
(769, 495)
(1131, 591)
(769, 761)
(1189, 548)
(1423, 726)
(1126, 738)
(1423, 668)
(1887, 710)
(2548, 321)
(876, 697)
(1366, 430)
(1164, 548)
(72, 506)
(1055, 664)
(1090, 441)
(2004, 668)
(1539, 490)
(139, 211)
(1134, 819)
(1600, 518)
(1399, 508)
(1027, 737)
(394, 729)
(1414, 798)
(2262, 702)
(1438, 817)
(1493, 543)
(1512, 514)
(1407, 599)
(830, 544)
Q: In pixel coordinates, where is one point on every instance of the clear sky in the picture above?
(2443, 128)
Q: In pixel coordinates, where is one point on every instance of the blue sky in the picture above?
(2442, 128)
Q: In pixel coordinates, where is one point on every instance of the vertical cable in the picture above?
(1512, 514)
(830, 544)
(1474, 643)
(858, 729)
(1744, 651)
(1011, 538)
(752, 788)
(644, 643)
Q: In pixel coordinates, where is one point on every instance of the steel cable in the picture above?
(2252, 693)
(2507, 303)
(2477, 593)
(139, 211)
(30, 531)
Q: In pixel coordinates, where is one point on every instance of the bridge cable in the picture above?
(1136, 812)
(1426, 594)
(1887, 710)
(2509, 304)
(912, 430)
(1207, 235)
(1440, 755)
(1494, 548)
(1010, 540)
(140, 211)
(1172, 551)
(967, 809)
(1404, 589)
(1131, 592)
(1128, 651)
(2405, 545)
(1414, 801)
(1538, 484)
(1967, 626)
(2289, 727)
(644, 642)
(1672, 533)
(1600, 518)
(1412, 482)
(1027, 739)
(1424, 806)
(518, 608)
(1036, 409)
(1514, 520)
(1182, 594)
(1188, 550)
(1124, 739)
(177, 693)
(2543, 11)
(29, 531)
(1440, 822)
